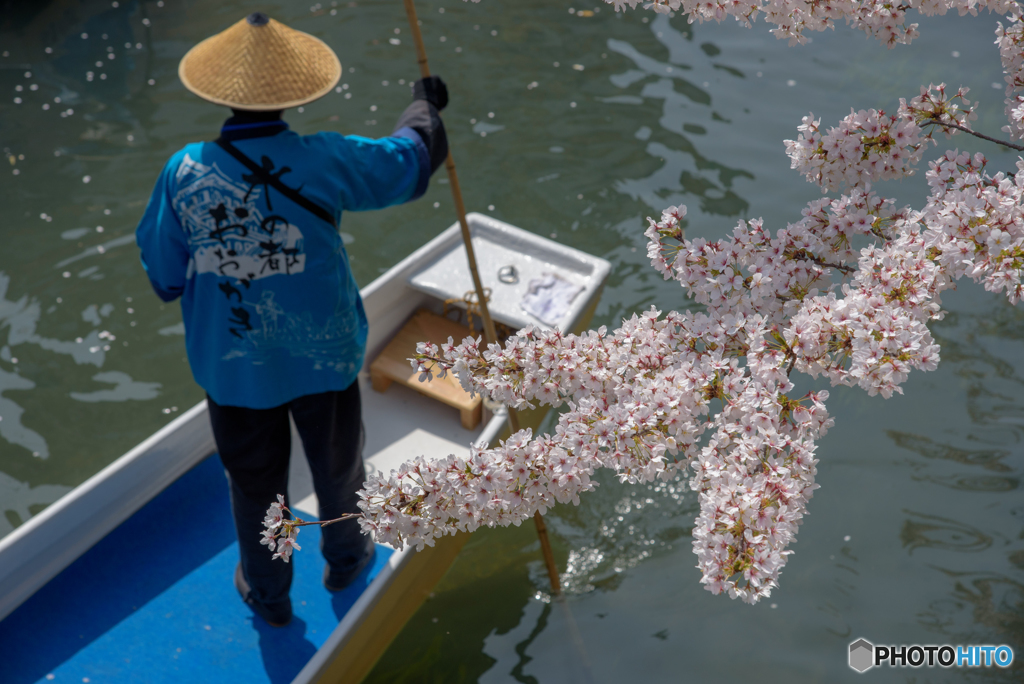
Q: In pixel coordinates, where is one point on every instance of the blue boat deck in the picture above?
(154, 602)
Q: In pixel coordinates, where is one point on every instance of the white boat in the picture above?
(128, 577)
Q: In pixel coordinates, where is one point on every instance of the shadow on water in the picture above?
(510, 649)
(530, 627)
(520, 648)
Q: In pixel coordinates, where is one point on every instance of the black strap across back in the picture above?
(267, 178)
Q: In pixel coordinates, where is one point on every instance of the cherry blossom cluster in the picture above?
(1010, 41)
(975, 223)
(639, 403)
(424, 500)
(280, 531)
(642, 399)
(885, 21)
(754, 478)
(869, 146)
(755, 272)
(862, 338)
(845, 293)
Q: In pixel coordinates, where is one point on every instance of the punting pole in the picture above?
(453, 178)
(490, 334)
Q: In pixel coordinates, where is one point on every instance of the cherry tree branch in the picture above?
(1019, 148)
(843, 268)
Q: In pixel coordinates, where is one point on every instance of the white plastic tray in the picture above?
(498, 245)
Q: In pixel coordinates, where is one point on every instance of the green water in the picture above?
(917, 532)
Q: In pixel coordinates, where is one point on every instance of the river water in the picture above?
(574, 125)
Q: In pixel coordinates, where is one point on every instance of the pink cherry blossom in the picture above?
(286, 545)
(844, 294)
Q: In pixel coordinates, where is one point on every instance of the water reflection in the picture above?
(974, 483)
(510, 649)
(619, 530)
(21, 318)
(686, 172)
(990, 459)
(125, 389)
(19, 501)
(983, 459)
(921, 530)
(996, 603)
(96, 250)
(669, 107)
(982, 607)
(11, 427)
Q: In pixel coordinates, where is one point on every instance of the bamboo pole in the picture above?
(549, 558)
(490, 334)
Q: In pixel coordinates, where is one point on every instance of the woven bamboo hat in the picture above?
(259, 65)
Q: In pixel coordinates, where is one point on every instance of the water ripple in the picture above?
(618, 530)
(935, 532)
(989, 459)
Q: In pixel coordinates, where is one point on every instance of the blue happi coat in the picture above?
(271, 309)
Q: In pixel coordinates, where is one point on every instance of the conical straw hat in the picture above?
(260, 64)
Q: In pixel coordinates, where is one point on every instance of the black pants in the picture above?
(254, 446)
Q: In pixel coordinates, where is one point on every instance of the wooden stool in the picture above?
(392, 365)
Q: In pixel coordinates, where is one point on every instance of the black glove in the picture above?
(433, 90)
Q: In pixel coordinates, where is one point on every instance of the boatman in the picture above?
(245, 231)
